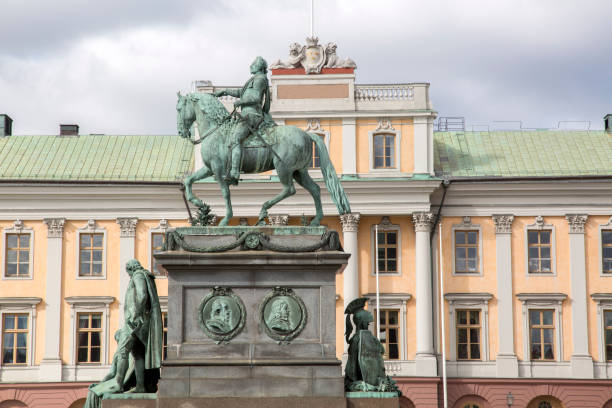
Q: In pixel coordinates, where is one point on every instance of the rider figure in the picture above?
(254, 100)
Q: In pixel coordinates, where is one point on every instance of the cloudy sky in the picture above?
(114, 66)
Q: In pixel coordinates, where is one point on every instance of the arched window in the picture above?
(78, 403)
(545, 401)
(12, 404)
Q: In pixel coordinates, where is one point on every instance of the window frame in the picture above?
(20, 305)
(467, 225)
(89, 304)
(540, 225)
(17, 228)
(385, 225)
(90, 228)
(604, 304)
(314, 126)
(385, 127)
(601, 228)
(469, 301)
(395, 301)
(542, 301)
(542, 327)
(161, 228)
(89, 330)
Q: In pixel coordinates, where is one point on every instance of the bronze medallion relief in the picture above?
(283, 314)
(221, 314)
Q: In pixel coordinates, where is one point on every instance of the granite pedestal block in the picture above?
(251, 365)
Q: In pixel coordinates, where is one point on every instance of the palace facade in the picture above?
(518, 224)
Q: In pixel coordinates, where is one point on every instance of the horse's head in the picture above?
(185, 115)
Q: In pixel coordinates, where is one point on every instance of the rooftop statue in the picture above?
(136, 363)
(248, 141)
(365, 369)
(313, 57)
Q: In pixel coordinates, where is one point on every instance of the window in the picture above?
(387, 251)
(389, 333)
(539, 251)
(384, 151)
(606, 251)
(316, 159)
(608, 334)
(384, 143)
(165, 334)
(313, 126)
(89, 335)
(466, 252)
(541, 334)
(157, 241)
(91, 249)
(17, 255)
(468, 334)
(15, 335)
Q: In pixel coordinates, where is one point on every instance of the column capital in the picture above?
(127, 227)
(350, 222)
(422, 221)
(278, 219)
(503, 223)
(55, 227)
(576, 223)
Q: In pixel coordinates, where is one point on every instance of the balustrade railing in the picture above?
(374, 93)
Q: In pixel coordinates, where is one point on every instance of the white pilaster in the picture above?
(51, 364)
(349, 146)
(426, 364)
(350, 229)
(126, 252)
(581, 361)
(423, 145)
(506, 361)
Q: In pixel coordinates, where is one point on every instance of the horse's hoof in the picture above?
(261, 223)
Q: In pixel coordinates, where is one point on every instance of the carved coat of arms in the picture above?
(313, 57)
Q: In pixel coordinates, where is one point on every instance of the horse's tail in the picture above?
(331, 178)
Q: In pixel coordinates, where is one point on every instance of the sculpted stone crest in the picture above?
(313, 56)
(283, 314)
(221, 314)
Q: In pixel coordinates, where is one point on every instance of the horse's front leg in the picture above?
(198, 175)
(225, 191)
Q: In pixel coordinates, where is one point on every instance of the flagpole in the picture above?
(443, 323)
(311, 18)
(377, 287)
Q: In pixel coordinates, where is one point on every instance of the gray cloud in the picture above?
(114, 66)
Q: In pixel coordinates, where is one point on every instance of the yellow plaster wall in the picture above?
(34, 287)
(595, 282)
(487, 283)
(541, 284)
(366, 125)
(334, 127)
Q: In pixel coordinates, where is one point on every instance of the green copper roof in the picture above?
(95, 158)
(538, 153)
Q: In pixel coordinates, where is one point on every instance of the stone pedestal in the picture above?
(251, 368)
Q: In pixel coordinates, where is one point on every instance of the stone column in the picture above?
(127, 241)
(350, 229)
(51, 364)
(581, 361)
(349, 146)
(426, 363)
(506, 361)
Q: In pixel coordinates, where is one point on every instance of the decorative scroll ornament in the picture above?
(313, 125)
(384, 124)
(422, 221)
(221, 315)
(576, 223)
(313, 56)
(503, 223)
(283, 314)
(55, 227)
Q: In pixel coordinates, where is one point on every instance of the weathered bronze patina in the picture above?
(283, 314)
(136, 363)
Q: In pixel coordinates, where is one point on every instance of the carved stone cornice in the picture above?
(422, 221)
(278, 219)
(576, 222)
(503, 223)
(55, 227)
(350, 222)
(127, 227)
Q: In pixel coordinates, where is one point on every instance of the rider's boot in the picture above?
(234, 175)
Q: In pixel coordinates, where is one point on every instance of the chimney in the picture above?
(6, 125)
(608, 123)
(69, 130)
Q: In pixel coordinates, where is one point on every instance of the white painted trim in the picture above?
(18, 228)
(89, 304)
(21, 305)
(604, 303)
(162, 228)
(90, 228)
(467, 225)
(542, 301)
(603, 227)
(385, 225)
(385, 128)
(540, 225)
(395, 301)
(469, 301)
